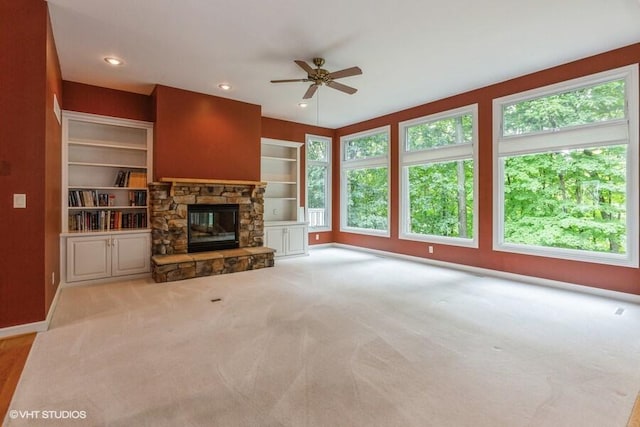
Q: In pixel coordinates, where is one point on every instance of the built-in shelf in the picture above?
(91, 143)
(104, 208)
(284, 226)
(107, 165)
(280, 159)
(105, 222)
(93, 187)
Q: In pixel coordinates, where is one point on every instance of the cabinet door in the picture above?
(295, 237)
(274, 239)
(88, 258)
(131, 254)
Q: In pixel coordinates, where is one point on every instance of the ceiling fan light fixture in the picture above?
(112, 60)
(321, 77)
(224, 86)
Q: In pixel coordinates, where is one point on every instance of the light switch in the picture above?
(20, 201)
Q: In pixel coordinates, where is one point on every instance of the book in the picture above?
(119, 179)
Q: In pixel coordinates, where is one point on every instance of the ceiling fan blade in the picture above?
(309, 93)
(290, 80)
(347, 72)
(343, 88)
(310, 71)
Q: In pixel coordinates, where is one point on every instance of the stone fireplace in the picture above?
(169, 210)
(170, 201)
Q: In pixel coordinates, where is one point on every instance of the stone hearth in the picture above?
(169, 199)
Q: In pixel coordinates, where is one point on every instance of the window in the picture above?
(318, 150)
(365, 182)
(566, 183)
(438, 178)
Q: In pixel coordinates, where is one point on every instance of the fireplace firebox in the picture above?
(212, 227)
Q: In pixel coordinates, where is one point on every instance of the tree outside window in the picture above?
(438, 177)
(365, 182)
(567, 170)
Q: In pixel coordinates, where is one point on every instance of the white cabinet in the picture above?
(130, 254)
(107, 255)
(88, 258)
(287, 239)
(106, 166)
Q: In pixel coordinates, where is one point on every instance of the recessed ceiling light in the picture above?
(224, 86)
(303, 104)
(113, 61)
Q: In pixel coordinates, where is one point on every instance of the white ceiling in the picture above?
(411, 51)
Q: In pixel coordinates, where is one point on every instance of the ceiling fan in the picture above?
(320, 76)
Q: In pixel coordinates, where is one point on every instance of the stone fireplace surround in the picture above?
(168, 200)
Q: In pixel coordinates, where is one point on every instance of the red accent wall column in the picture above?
(204, 136)
(29, 162)
(53, 171)
(107, 102)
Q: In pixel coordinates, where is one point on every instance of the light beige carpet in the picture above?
(339, 338)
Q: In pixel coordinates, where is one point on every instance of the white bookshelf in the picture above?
(106, 165)
(285, 229)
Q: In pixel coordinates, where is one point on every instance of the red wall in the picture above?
(29, 162)
(53, 170)
(291, 131)
(107, 102)
(204, 136)
(590, 274)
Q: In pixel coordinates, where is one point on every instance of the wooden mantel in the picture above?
(177, 181)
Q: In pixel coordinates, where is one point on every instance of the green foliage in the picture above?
(316, 186)
(441, 199)
(368, 198)
(578, 107)
(316, 150)
(368, 146)
(572, 199)
(440, 133)
(367, 188)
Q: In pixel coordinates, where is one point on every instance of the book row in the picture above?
(106, 220)
(91, 198)
(130, 179)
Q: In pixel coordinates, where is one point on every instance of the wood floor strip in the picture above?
(13, 355)
(634, 419)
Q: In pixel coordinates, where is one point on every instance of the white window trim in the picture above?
(437, 155)
(378, 161)
(327, 163)
(502, 145)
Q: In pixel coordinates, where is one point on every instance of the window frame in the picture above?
(608, 133)
(465, 151)
(371, 162)
(328, 190)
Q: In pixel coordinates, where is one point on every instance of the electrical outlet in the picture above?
(430, 249)
(317, 236)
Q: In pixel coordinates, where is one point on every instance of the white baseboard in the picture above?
(25, 328)
(28, 328)
(322, 245)
(632, 298)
